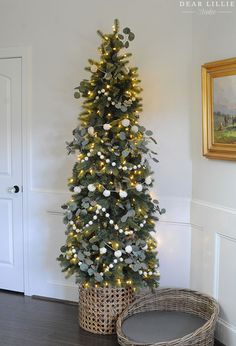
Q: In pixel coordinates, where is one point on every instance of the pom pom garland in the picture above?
(91, 131)
(118, 253)
(103, 250)
(91, 187)
(125, 122)
(128, 249)
(106, 193)
(106, 127)
(77, 189)
(93, 68)
(139, 187)
(123, 194)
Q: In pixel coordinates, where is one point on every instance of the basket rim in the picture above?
(209, 322)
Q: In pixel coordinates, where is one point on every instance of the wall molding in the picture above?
(219, 207)
(48, 191)
(219, 237)
(55, 212)
(227, 325)
(196, 227)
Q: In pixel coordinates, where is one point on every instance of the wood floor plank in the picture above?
(33, 322)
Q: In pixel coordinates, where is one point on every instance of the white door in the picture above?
(11, 233)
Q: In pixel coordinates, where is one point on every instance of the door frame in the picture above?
(25, 54)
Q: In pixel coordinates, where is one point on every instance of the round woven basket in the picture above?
(99, 308)
(181, 300)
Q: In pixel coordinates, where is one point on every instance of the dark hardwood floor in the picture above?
(26, 321)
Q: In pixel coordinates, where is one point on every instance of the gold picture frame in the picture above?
(219, 109)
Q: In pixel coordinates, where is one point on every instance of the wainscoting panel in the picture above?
(46, 235)
(213, 268)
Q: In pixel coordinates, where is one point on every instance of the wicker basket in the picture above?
(182, 300)
(99, 308)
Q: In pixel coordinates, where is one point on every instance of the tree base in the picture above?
(99, 308)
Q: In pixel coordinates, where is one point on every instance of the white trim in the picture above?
(219, 236)
(53, 192)
(214, 206)
(217, 266)
(227, 325)
(26, 61)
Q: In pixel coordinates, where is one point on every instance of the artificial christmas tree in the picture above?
(111, 215)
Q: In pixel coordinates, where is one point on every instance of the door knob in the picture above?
(14, 189)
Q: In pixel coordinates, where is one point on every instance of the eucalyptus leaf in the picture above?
(125, 153)
(154, 159)
(76, 95)
(63, 249)
(80, 255)
(136, 267)
(78, 212)
(131, 36)
(149, 133)
(128, 260)
(85, 142)
(153, 139)
(73, 206)
(122, 136)
(93, 239)
(69, 215)
(124, 218)
(82, 132)
(98, 277)
(86, 205)
(90, 271)
(88, 261)
(84, 267)
(126, 31)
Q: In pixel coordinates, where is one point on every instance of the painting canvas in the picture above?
(219, 109)
(224, 109)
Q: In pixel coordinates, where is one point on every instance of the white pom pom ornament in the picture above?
(125, 122)
(134, 128)
(77, 189)
(117, 254)
(139, 187)
(106, 127)
(106, 193)
(91, 131)
(123, 194)
(148, 180)
(91, 187)
(128, 249)
(93, 68)
(103, 250)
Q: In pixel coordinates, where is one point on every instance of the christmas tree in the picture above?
(111, 216)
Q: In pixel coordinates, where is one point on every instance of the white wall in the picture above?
(62, 35)
(213, 212)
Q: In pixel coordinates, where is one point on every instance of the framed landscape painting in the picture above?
(219, 109)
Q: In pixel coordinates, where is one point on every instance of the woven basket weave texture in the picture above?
(182, 300)
(99, 308)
